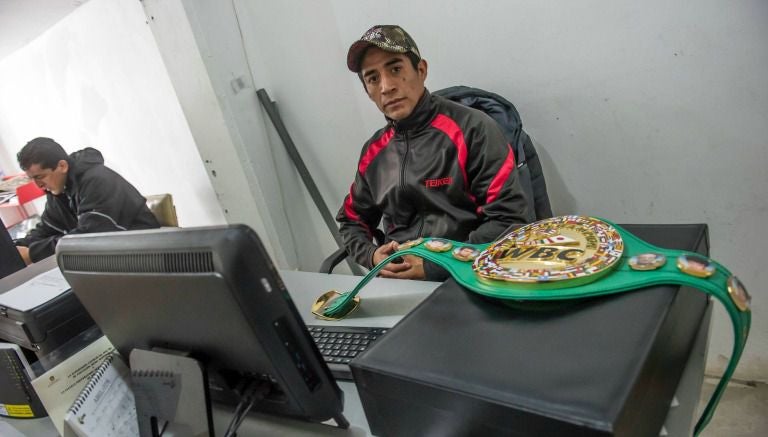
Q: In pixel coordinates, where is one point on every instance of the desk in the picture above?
(385, 301)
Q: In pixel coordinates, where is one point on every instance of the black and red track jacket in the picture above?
(444, 171)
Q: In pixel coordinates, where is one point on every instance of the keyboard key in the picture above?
(339, 345)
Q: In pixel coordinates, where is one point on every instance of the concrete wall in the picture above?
(201, 47)
(96, 79)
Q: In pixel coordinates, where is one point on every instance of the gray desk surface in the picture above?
(384, 302)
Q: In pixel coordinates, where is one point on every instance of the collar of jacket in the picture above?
(423, 114)
(80, 162)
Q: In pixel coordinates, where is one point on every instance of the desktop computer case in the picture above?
(461, 364)
(45, 327)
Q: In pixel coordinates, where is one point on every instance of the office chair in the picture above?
(162, 207)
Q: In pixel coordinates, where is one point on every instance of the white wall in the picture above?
(96, 79)
(300, 70)
(632, 103)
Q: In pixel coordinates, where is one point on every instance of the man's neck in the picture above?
(416, 118)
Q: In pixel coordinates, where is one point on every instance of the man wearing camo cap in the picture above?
(437, 169)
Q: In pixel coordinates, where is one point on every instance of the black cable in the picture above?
(153, 424)
(254, 390)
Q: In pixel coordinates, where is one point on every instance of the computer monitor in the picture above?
(10, 260)
(211, 291)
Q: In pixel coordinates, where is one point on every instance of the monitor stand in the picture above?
(171, 392)
(172, 395)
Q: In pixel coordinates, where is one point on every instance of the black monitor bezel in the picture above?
(10, 258)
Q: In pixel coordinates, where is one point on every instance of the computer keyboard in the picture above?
(340, 344)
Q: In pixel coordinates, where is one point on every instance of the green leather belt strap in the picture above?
(619, 277)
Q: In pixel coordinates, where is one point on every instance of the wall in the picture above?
(201, 47)
(296, 53)
(96, 79)
(645, 112)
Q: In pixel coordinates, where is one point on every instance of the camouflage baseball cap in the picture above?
(389, 38)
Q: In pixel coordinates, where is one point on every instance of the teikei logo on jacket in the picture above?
(556, 249)
(439, 182)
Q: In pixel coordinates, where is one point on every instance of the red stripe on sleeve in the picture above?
(349, 210)
(501, 176)
(374, 149)
(450, 128)
(370, 154)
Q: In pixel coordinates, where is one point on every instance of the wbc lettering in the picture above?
(566, 250)
(540, 254)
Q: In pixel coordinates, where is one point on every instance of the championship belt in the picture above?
(570, 257)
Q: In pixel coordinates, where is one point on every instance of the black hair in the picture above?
(412, 56)
(41, 151)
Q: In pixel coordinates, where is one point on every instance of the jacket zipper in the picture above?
(402, 181)
(405, 163)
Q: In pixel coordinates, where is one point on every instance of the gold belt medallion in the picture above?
(574, 249)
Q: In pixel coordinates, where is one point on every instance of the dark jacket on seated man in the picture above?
(95, 199)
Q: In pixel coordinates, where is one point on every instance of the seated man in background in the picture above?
(437, 169)
(82, 194)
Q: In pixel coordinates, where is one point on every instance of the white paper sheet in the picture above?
(105, 407)
(35, 292)
(59, 387)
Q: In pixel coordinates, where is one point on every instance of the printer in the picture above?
(46, 326)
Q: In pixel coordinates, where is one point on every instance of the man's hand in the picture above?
(415, 269)
(24, 252)
(384, 251)
(412, 267)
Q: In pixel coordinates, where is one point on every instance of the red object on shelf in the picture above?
(28, 192)
(13, 176)
(25, 194)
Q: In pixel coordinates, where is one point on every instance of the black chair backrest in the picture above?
(527, 161)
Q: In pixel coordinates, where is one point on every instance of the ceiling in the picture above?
(21, 21)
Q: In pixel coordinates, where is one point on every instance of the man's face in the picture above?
(51, 180)
(392, 82)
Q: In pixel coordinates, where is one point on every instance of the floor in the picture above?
(742, 412)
